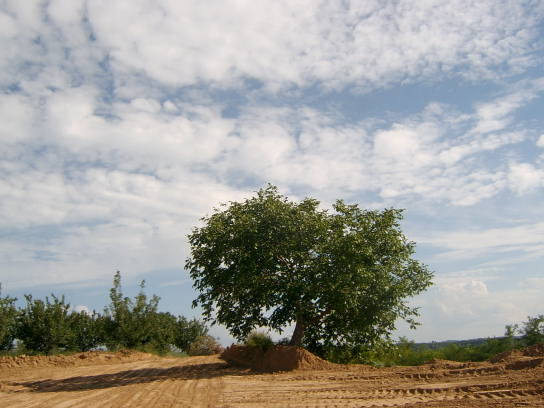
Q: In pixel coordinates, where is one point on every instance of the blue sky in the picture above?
(125, 122)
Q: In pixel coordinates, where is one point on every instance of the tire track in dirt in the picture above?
(156, 383)
(52, 391)
(165, 386)
(396, 387)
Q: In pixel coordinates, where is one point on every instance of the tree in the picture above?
(85, 330)
(164, 328)
(44, 327)
(8, 315)
(187, 331)
(343, 277)
(130, 323)
(533, 330)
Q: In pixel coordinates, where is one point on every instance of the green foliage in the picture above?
(163, 326)
(533, 330)
(137, 323)
(130, 323)
(86, 331)
(48, 326)
(259, 339)
(187, 331)
(44, 327)
(8, 316)
(406, 352)
(343, 277)
(204, 346)
(375, 354)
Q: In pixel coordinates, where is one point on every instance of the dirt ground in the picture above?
(139, 380)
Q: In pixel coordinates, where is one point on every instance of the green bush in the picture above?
(129, 323)
(259, 339)
(407, 353)
(187, 331)
(8, 315)
(44, 327)
(163, 325)
(382, 352)
(204, 346)
(533, 330)
(86, 331)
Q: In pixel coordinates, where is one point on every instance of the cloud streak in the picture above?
(339, 44)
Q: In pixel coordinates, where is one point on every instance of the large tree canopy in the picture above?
(343, 276)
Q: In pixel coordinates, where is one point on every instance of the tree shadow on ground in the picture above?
(138, 376)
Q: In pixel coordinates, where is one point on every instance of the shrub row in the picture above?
(49, 326)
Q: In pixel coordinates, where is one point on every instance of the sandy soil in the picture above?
(148, 381)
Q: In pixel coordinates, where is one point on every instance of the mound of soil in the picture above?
(437, 363)
(519, 354)
(534, 351)
(277, 358)
(525, 363)
(79, 359)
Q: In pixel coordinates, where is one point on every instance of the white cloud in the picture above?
(527, 238)
(423, 156)
(417, 157)
(496, 115)
(462, 298)
(473, 303)
(533, 284)
(337, 44)
(406, 145)
(146, 153)
(525, 176)
(8, 26)
(540, 141)
(82, 308)
(50, 46)
(116, 222)
(18, 119)
(96, 143)
(179, 282)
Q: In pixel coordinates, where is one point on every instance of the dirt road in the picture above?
(154, 382)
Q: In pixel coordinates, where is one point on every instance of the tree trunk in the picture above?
(298, 334)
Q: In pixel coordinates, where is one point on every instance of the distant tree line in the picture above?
(406, 352)
(516, 336)
(49, 326)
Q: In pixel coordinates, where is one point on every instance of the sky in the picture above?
(124, 122)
